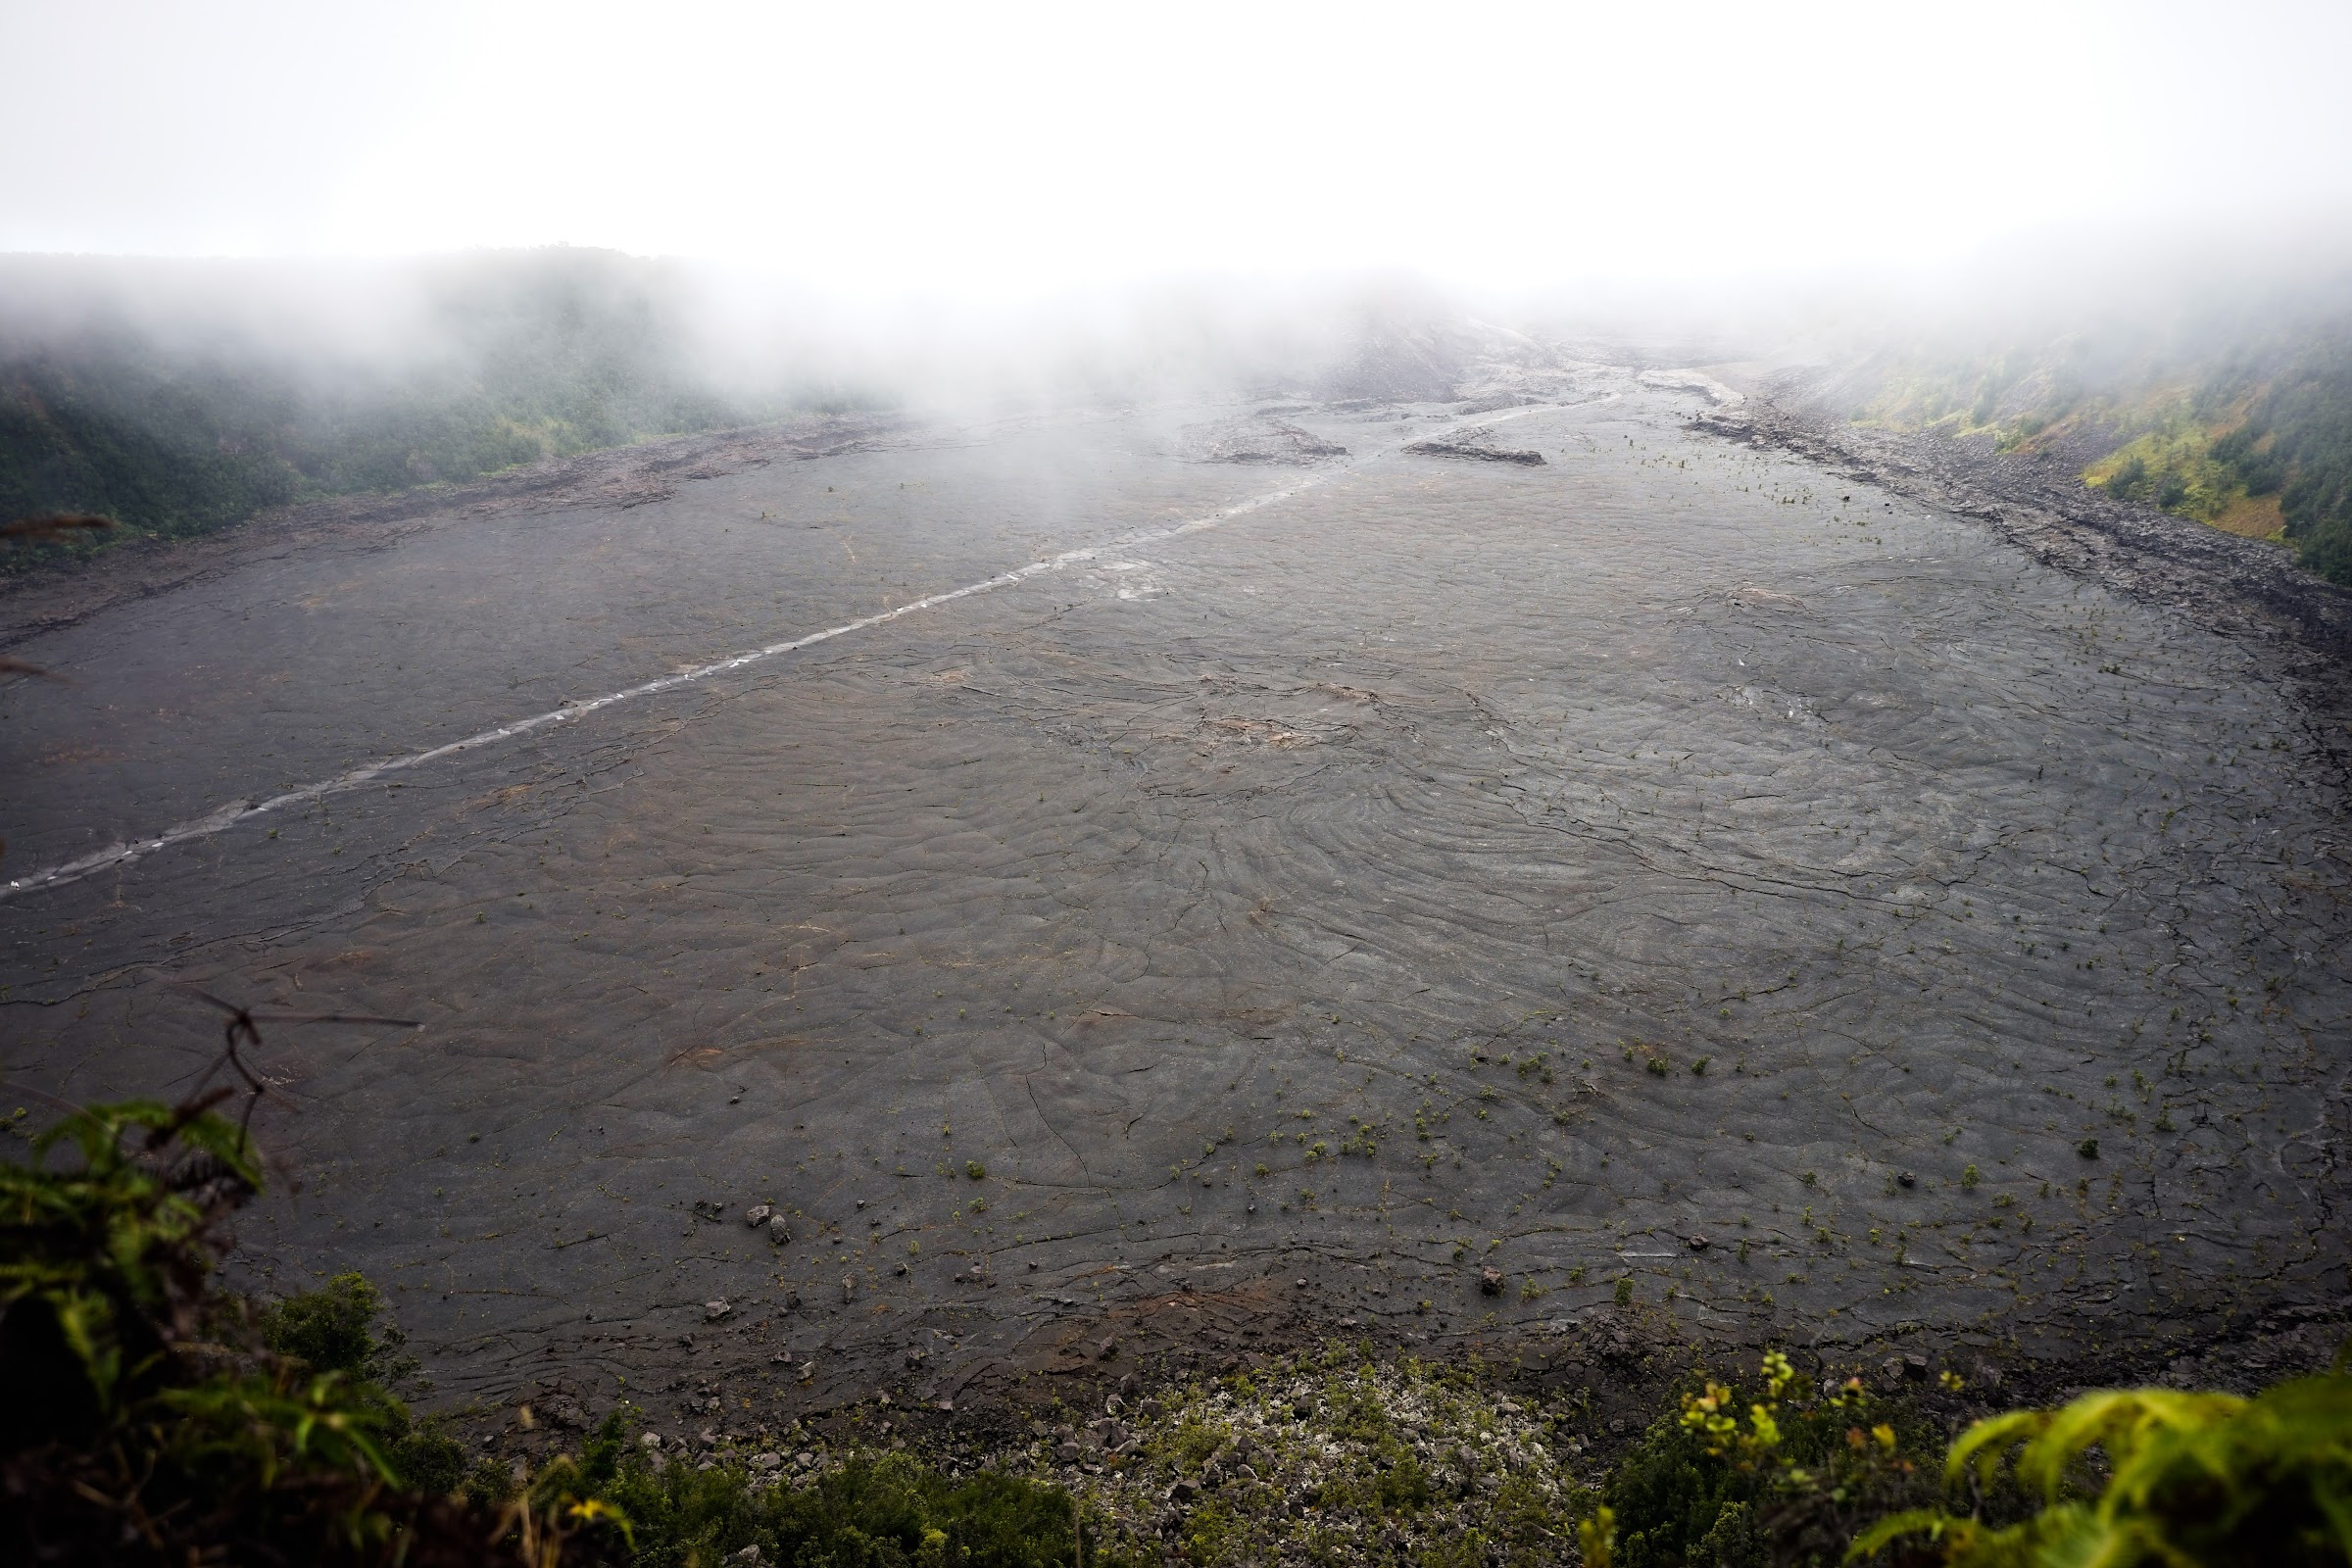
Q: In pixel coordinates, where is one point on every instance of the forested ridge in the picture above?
(2241, 418)
(521, 358)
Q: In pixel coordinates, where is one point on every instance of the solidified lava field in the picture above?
(1671, 863)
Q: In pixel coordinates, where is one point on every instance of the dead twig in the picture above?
(243, 1029)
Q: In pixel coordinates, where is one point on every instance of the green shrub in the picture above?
(1790, 1483)
(888, 1511)
(141, 1417)
(333, 1329)
(2178, 1479)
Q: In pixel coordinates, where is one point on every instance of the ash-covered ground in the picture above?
(1408, 907)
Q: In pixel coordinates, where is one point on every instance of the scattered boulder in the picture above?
(757, 1215)
(778, 1231)
(1470, 447)
(1699, 1243)
(713, 1311)
(1490, 1282)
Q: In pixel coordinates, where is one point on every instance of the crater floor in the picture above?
(1670, 864)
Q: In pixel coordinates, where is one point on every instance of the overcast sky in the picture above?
(1002, 149)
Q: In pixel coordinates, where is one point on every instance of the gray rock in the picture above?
(713, 1311)
(1254, 440)
(1472, 448)
(778, 1231)
(757, 1215)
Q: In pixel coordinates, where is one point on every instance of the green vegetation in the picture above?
(2151, 1476)
(871, 1511)
(1790, 1484)
(2242, 422)
(2118, 1479)
(140, 1415)
(522, 357)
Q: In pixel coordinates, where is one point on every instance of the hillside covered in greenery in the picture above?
(2240, 417)
(177, 400)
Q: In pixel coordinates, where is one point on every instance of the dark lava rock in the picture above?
(1490, 1282)
(1473, 448)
